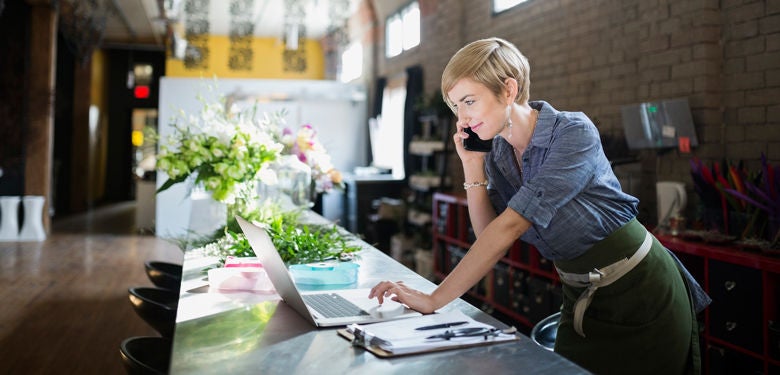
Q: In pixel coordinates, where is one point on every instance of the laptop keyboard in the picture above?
(332, 305)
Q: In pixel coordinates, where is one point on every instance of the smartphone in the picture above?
(473, 143)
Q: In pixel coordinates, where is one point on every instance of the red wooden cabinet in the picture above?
(741, 328)
(523, 286)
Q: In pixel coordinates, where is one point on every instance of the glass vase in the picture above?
(293, 181)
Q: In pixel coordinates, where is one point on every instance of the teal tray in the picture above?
(325, 273)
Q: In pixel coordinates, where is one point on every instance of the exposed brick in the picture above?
(745, 150)
(706, 17)
(773, 114)
(696, 35)
(707, 116)
(710, 51)
(744, 47)
(695, 68)
(772, 7)
(735, 133)
(731, 66)
(745, 12)
(745, 81)
(772, 78)
(691, 6)
(763, 61)
(751, 115)
(773, 42)
(734, 98)
(665, 58)
(769, 25)
(727, 4)
(742, 30)
(677, 88)
(707, 83)
(762, 133)
(762, 97)
(654, 43)
(773, 154)
(710, 151)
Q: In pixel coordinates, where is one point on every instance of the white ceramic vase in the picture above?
(32, 228)
(9, 218)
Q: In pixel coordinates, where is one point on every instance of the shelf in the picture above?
(425, 147)
(418, 218)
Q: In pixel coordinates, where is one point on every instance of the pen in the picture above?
(438, 326)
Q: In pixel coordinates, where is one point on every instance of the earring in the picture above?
(509, 120)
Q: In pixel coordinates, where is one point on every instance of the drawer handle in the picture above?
(729, 285)
(730, 326)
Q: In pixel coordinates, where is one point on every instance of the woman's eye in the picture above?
(469, 102)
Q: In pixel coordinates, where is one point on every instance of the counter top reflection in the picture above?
(256, 333)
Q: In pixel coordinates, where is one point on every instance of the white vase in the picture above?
(9, 221)
(32, 228)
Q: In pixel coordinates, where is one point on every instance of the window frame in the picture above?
(497, 12)
(399, 16)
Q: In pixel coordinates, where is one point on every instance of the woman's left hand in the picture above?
(400, 292)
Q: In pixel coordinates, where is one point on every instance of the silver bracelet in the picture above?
(469, 185)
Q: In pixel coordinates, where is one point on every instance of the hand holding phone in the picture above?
(473, 143)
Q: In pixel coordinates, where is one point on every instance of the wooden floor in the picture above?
(63, 302)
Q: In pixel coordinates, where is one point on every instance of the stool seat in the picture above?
(544, 332)
(156, 306)
(145, 355)
(163, 274)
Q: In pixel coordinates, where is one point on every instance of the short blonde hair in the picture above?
(490, 62)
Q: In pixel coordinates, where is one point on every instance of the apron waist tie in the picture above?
(599, 278)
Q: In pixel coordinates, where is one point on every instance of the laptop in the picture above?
(322, 308)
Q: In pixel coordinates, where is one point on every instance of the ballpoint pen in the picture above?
(438, 326)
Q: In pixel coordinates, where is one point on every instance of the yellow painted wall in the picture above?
(267, 61)
(98, 144)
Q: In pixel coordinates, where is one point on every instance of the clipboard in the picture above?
(379, 352)
(407, 337)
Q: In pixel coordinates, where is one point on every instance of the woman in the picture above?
(628, 303)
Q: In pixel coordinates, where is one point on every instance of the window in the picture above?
(386, 132)
(351, 63)
(402, 30)
(502, 5)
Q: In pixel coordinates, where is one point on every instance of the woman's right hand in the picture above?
(466, 157)
(400, 292)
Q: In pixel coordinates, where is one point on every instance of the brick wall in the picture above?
(595, 56)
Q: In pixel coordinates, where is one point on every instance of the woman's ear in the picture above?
(511, 90)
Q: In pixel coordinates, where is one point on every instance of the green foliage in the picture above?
(296, 242)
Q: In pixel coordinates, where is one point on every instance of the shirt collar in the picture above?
(542, 133)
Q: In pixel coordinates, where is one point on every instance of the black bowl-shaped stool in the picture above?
(544, 332)
(163, 274)
(145, 355)
(156, 306)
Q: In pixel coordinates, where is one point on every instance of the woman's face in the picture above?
(478, 108)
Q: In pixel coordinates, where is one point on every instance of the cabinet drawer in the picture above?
(519, 290)
(539, 297)
(736, 309)
(723, 361)
(501, 284)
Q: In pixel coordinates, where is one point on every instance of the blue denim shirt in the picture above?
(567, 189)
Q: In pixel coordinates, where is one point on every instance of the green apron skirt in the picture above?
(643, 323)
